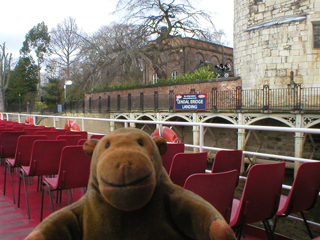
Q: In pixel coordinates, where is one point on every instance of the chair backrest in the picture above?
(227, 160)
(97, 136)
(31, 130)
(82, 141)
(24, 148)
(216, 188)
(45, 157)
(8, 143)
(261, 194)
(185, 164)
(52, 135)
(74, 169)
(84, 134)
(71, 139)
(173, 149)
(61, 131)
(305, 188)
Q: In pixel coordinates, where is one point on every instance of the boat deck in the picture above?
(14, 222)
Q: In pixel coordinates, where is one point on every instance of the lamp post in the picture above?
(19, 102)
(66, 83)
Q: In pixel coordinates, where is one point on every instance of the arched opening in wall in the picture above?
(271, 142)
(120, 124)
(198, 59)
(148, 128)
(229, 63)
(215, 60)
(311, 145)
(219, 137)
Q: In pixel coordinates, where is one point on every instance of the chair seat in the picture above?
(52, 181)
(234, 211)
(26, 170)
(282, 205)
(11, 161)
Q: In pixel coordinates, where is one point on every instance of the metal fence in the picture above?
(283, 99)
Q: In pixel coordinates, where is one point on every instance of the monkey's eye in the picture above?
(107, 144)
(140, 142)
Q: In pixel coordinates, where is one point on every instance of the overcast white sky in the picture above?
(17, 17)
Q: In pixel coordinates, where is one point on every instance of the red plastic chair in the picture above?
(260, 197)
(216, 188)
(97, 136)
(185, 164)
(82, 141)
(84, 134)
(74, 172)
(45, 160)
(22, 157)
(31, 130)
(71, 139)
(8, 144)
(173, 149)
(303, 194)
(227, 160)
(61, 131)
(52, 135)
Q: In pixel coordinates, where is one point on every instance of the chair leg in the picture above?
(41, 209)
(11, 181)
(239, 232)
(22, 175)
(268, 229)
(5, 179)
(275, 223)
(307, 225)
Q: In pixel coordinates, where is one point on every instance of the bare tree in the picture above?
(65, 45)
(5, 69)
(160, 20)
(113, 54)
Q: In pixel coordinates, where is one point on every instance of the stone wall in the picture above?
(198, 86)
(266, 55)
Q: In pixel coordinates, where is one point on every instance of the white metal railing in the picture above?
(202, 126)
(200, 146)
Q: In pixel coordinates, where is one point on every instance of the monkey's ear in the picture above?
(89, 146)
(162, 144)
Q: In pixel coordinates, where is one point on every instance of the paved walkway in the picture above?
(14, 223)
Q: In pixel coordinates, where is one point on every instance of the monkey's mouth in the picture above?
(133, 183)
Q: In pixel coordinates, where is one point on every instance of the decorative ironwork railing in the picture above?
(282, 99)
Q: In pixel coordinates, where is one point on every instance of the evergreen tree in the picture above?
(24, 80)
(52, 92)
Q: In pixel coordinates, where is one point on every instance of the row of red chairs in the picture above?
(45, 152)
(261, 199)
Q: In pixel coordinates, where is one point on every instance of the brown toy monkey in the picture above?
(130, 197)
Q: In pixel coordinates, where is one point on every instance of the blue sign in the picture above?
(59, 108)
(191, 102)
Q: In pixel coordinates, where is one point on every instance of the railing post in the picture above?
(90, 103)
(239, 97)
(108, 103)
(70, 105)
(129, 102)
(214, 98)
(171, 100)
(297, 97)
(118, 102)
(141, 101)
(156, 101)
(99, 104)
(77, 106)
(83, 106)
(266, 95)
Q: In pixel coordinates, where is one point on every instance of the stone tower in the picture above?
(277, 43)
